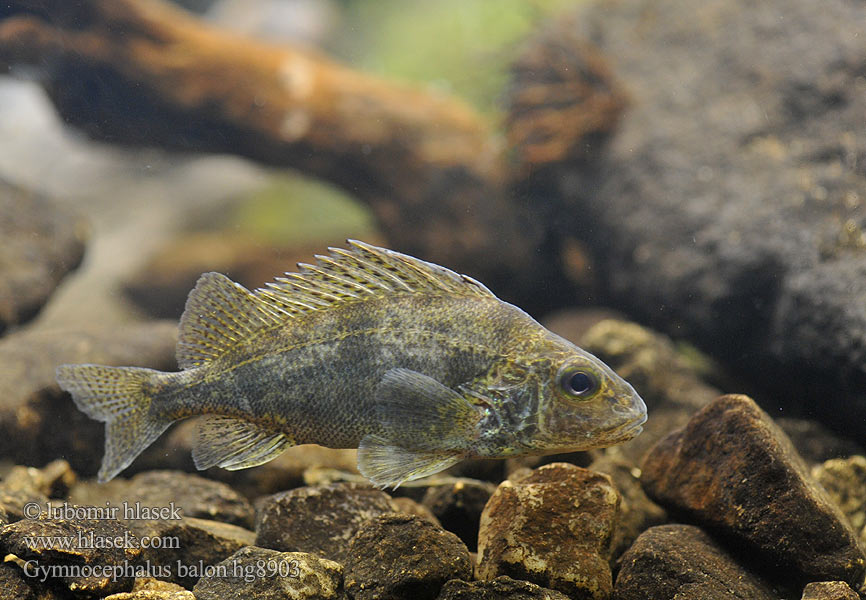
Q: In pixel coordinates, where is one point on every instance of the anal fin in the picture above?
(387, 465)
(235, 444)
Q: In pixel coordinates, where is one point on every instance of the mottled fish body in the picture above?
(416, 366)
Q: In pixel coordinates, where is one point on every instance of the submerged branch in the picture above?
(143, 72)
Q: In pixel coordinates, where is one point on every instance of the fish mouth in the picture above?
(632, 430)
(628, 430)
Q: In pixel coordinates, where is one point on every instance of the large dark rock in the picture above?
(42, 242)
(729, 208)
(552, 527)
(397, 556)
(681, 562)
(318, 519)
(734, 471)
(39, 422)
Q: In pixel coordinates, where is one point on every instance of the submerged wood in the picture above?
(144, 72)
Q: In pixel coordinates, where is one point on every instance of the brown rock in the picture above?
(682, 562)
(21, 487)
(458, 507)
(39, 422)
(844, 479)
(91, 554)
(262, 574)
(553, 528)
(180, 550)
(27, 485)
(829, 590)
(574, 323)
(320, 520)
(13, 583)
(148, 588)
(192, 496)
(501, 588)
(397, 556)
(732, 469)
(42, 242)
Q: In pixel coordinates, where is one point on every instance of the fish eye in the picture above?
(578, 383)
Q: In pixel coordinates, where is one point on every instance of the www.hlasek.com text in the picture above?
(91, 540)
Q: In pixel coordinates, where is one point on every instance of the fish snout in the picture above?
(632, 414)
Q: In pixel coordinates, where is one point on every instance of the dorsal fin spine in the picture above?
(221, 315)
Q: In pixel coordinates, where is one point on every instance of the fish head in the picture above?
(569, 400)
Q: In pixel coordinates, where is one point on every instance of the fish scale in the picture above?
(415, 365)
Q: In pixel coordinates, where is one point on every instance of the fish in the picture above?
(413, 364)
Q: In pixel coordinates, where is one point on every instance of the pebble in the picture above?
(552, 527)
(684, 563)
(398, 556)
(320, 520)
(844, 479)
(261, 574)
(829, 590)
(500, 588)
(188, 546)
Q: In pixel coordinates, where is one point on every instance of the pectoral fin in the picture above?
(387, 465)
(418, 412)
(425, 427)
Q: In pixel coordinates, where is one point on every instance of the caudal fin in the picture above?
(116, 396)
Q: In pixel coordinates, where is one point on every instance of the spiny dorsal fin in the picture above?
(219, 314)
(360, 272)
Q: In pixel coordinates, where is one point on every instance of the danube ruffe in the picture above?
(413, 364)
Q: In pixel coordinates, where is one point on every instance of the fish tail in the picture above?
(117, 396)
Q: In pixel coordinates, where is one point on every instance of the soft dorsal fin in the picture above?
(362, 271)
(219, 314)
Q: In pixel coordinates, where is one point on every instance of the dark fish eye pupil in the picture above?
(580, 383)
